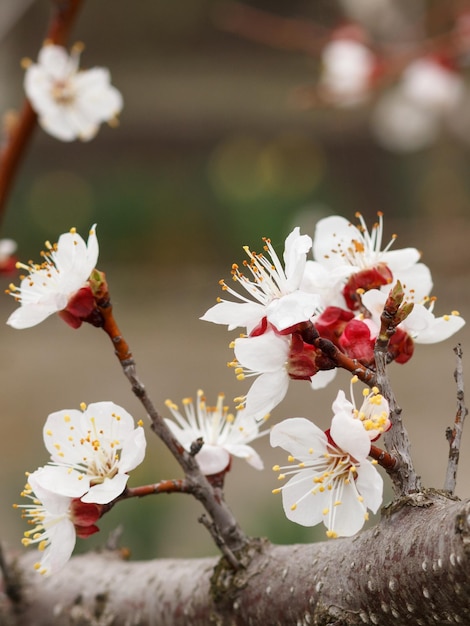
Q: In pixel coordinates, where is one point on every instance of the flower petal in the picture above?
(107, 491)
(299, 437)
(264, 353)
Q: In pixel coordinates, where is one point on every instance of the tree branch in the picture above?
(454, 435)
(228, 530)
(389, 575)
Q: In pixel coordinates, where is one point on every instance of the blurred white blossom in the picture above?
(70, 104)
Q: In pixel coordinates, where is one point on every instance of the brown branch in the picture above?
(396, 439)
(20, 133)
(454, 435)
(195, 481)
(263, 27)
(383, 458)
(391, 574)
(164, 486)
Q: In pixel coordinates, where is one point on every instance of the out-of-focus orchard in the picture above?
(221, 142)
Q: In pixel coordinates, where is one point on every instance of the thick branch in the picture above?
(390, 575)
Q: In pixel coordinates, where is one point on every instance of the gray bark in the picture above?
(412, 568)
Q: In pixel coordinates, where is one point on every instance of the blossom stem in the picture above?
(18, 137)
(164, 486)
(383, 458)
(121, 347)
(454, 435)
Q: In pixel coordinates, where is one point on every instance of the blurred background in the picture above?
(223, 139)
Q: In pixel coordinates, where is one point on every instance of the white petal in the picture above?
(61, 434)
(342, 404)
(399, 260)
(292, 309)
(133, 450)
(369, 483)
(235, 314)
(28, 316)
(323, 378)
(266, 393)
(212, 459)
(246, 452)
(300, 505)
(62, 538)
(55, 503)
(331, 233)
(56, 61)
(295, 256)
(299, 437)
(63, 481)
(416, 281)
(350, 436)
(350, 515)
(264, 353)
(108, 490)
(442, 328)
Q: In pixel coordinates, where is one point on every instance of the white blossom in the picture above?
(50, 285)
(223, 434)
(333, 481)
(421, 324)
(92, 451)
(274, 288)
(52, 528)
(70, 104)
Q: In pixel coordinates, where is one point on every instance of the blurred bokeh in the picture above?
(212, 153)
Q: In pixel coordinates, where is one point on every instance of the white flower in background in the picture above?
(421, 324)
(56, 522)
(92, 451)
(429, 84)
(50, 285)
(333, 481)
(70, 104)
(347, 68)
(7, 260)
(411, 115)
(341, 250)
(224, 434)
(275, 289)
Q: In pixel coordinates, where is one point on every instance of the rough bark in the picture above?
(412, 568)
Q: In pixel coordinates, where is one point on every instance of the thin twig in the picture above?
(16, 142)
(219, 542)
(383, 458)
(195, 481)
(454, 435)
(11, 584)
(164, 486)
(396, 439)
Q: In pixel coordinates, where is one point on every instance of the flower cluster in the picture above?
(221, 433)
(342, 292)
(414, 95)
(60, 284)
(92, 451)
(333, 481)
(70, 104)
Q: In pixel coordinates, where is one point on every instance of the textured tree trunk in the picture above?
(412, 568)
